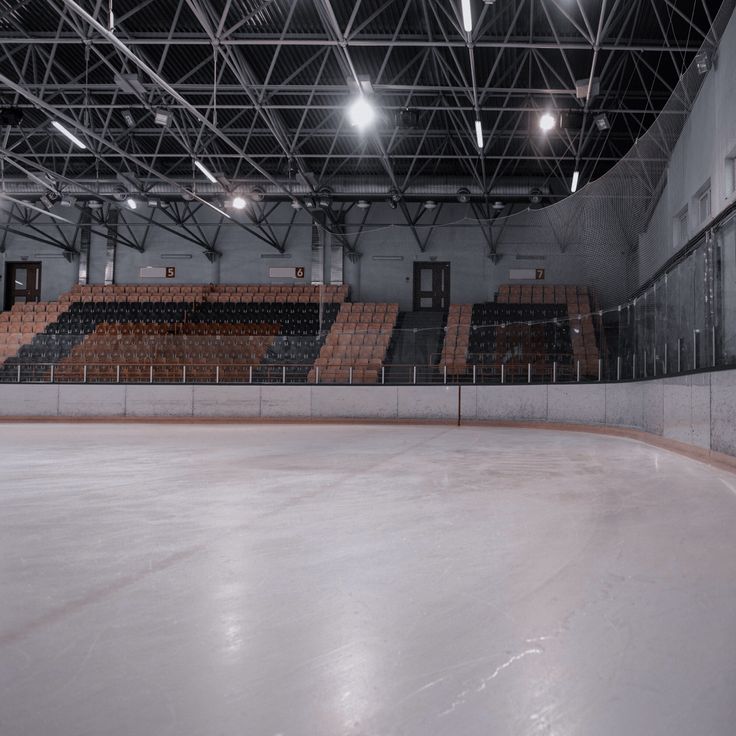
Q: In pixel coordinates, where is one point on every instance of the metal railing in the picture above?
(153, 372)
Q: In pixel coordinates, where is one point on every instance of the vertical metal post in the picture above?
(665, 358)
(695, 349)
(633, 367)
(679, 355)
(444, 373)
(502, 372)
(554, 371)
(217, 374)
(528, 372)
(184, 374)
(618, 368)
(18, 372)
(645, 364)
(713, 343)
(84, 375)
(250, 374)
(600, 369)
(383, 375)
(117, 374)
(578, 371)
(474, 373)
(283, 374)
(316, 374)
(51, 377)
(415, 375)
(350, 375)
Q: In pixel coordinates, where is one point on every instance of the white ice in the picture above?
(367, 580)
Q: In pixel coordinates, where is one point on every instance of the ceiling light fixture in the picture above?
(162, 117)
(467, 16)
(575, 179)
(128, 118)
(602, 122)
(131, 203)
(205, 171)
(479, 134)
(547, 122)
(239, 203)
(68, 134)
(361, 113)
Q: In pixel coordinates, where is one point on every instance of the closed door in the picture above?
(22, 283)
(431, 286)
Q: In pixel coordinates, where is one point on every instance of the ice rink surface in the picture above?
(363, 580)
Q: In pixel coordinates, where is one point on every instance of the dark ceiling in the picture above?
(261, 86)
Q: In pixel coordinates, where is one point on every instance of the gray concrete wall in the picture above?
(245, 259)
(700, 155)
(699, 410)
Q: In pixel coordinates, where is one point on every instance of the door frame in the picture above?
(437, 294)
(9, 292)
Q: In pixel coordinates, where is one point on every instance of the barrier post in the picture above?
(415, 375)
(618, 368)
(444, 373)
(250, 374)
(383, 375)
(600, 368)
(84, 376)
(18, 372)
(665, 357)
(316, 374)
(117, 374)
(184, 374)
(713, 343)
(51, 378)
(578, 371)
(283, 374)
(217, 374)
(474, 373)
(554, 371)
(502, 372)
(350, 375)
(528, 372)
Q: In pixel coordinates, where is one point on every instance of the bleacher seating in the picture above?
(526, 325)
(244, 328)
(21, 324)
(355, 349)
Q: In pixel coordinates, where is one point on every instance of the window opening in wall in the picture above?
(731, 174)
(704, 206)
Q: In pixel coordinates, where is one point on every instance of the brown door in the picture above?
(22, 283)
(431, 286)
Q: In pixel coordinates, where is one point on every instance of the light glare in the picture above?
(575, 178)
(361, 113)
(239, 203)
(479, 134)
(132, 203)
(68, 134)
(547, 122)
(205, 171)
(467, 16)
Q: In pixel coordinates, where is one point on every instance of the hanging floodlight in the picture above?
(467, 16)
(479, 134)
(68, 134)
(361, 113)
(575, 179)
(239, 203)
(547, 122)
(205, 171)
(602, 122)
(131, 203)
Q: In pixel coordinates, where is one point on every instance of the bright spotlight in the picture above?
(547, 122)
(239, 203)
(361, 113)
(68, 134)
(467, 16)
(131, 203)
(575, 179)
(479, 134)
